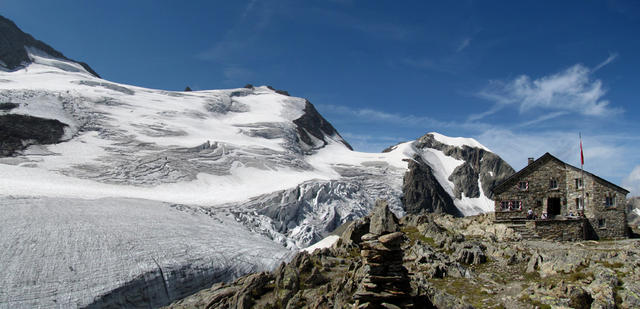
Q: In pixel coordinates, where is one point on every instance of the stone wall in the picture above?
(577, 192)
(561, 230)
(608, 222)
(605, 222)
(510, 215)
(538, 191)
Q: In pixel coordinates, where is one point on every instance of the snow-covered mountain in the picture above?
(633, 211)
(122, 195)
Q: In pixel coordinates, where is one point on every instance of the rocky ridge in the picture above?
(14, 43)
(447, 263)
(478, 163)
(478, 172)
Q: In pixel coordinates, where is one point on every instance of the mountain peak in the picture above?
(15, 45)
(457, 141)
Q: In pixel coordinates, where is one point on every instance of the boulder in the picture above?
(534, 262)
(382, 221)
(355, 230)
(471, 253)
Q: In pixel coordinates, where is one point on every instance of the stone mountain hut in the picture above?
(576, 204)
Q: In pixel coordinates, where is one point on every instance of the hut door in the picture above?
(553, 206)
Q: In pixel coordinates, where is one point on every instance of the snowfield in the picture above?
(65, 252)
(324, 243)
(158, 193)
(458, 141)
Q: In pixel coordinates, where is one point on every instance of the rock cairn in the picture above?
(386, 283)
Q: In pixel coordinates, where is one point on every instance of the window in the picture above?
(610, 200)
(553, 183)
(579, 202)
(602, 223)
(578, 183)
(539, 203)
(511, 205)
(523, 185)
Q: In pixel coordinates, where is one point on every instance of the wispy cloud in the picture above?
(372, 143)
(241, 36)
(451, 62)
(224, 50)
(571, 90)
(425, 64)
(542, 118)
(372, 115)
(463, 45)
(373, 28)
(603, 155)
(609, 59)
(632, 181)
(382, 30)
(248, 8)
(369, 137)
(236, 74)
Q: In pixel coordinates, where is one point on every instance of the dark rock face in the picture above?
(12, 47)
(278, 91)
(8, 106)
(422, 192)
(313, 124)
(479, 163)
(17, 132)
(465, 180)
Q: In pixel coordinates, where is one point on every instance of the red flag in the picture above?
(581, 155)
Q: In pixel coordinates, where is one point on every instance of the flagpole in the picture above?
(584, 198)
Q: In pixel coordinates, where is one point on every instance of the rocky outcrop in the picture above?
(479, 164)
(427, 190)
(439, 261)
(471, 253)
(8, 106)
(17, 132)
(422, 192)
(313, 129)
(321, 280)
(382, 220)
(13, 43)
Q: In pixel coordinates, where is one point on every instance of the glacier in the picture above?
(150, 195)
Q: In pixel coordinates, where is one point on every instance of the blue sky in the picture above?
(522, 77)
